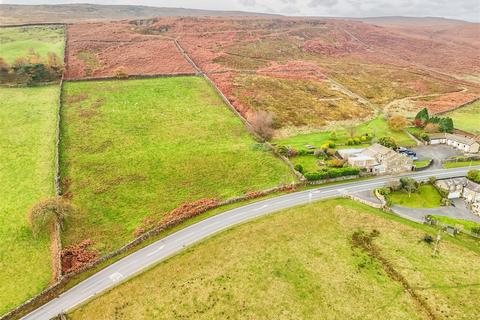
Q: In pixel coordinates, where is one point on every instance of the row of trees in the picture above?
(31, 69)
(433, 124)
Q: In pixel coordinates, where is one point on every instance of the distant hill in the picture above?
(23, 14)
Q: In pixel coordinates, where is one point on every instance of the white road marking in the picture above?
(260, 208)
(155, 251)
(115, 277)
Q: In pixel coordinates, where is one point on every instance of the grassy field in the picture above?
(467, 118)
(300, 264)
(27, 142)
(449, 165)
(426, 197)
(377, 127)
(141, 148)
(17, 42)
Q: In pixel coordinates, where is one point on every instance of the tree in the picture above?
(333, 135)
(262, 124)
(409, 185)
(388, 142)
(423, 116)
(432, 128)
(446, 125)
(46, 212)
(397, 122)
(351, 131)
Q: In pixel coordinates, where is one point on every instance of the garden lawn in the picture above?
(300, 264)
(140, 148)
(467, 118)
(426, 197)
(421, 163)
(449, 165)
(17, 42)
(27, 146)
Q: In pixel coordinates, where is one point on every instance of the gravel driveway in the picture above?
(435, 152)
(459, 211)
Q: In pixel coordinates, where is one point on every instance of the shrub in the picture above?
(385, 191)
(282, 150)
(319, 153)
(292, 152)
(425, 137)
(337, 163)
(388, 142)
(331, 145)
(330, 151)
(121, 73)
(356, 141)
(350, 142)
(427, 239)
(432, 128)
(303, 152)
(324, 146)
(474, 175)
(476, 230)
(364, 138)
(299, 168)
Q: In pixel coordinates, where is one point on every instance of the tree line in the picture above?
(31, 69)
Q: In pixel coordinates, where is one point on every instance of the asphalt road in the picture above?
(174, 243)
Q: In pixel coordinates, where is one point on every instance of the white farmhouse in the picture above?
(459, 142)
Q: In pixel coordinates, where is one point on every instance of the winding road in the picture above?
(174, 243)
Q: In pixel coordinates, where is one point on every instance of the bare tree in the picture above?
(262, 123)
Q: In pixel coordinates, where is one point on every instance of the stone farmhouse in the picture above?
(462, 143)
(462, 188)
(377, 159)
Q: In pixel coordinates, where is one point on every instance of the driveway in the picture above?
(458, 211)
(435, 152)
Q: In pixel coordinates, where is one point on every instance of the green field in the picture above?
(300, 264)
(140, 148)
(377, 127)
(421, 163)
(27, 144)
(467, 118)
(17, 42)
(426, 197)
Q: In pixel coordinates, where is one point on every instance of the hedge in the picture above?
(331, 173)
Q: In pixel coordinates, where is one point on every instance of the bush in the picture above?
(397, 123)
(388, 142)
(474, 175)
(409, 185)
(357, 141)
(350, 142)
(299, 168)
(427, 239)
(385, 191)
(476, 230)
(303, 152)
(331, 145)
(364, 138)
(337, 163)
(425, 137)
